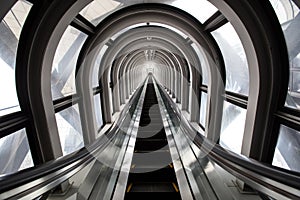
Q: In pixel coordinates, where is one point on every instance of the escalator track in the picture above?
(152, 171)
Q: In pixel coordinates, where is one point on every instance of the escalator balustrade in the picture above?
(152, 171)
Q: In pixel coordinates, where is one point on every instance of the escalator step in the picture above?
(152, 195)
(160, 175)
(151, 174)
(152, 187)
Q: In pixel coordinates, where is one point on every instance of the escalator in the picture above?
(137, 157)
(152, 171)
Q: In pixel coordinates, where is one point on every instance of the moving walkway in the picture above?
(149, 150)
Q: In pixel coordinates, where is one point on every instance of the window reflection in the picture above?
(64, 63)
(289, 17)
(200, 9)
(95, 11)
(14, 153)
(98, 111)
(232, 131)
(95, 81)
(69, 129)
(237, 74)
(203, 108)
(179, 32)
(204, 63)
(287, 153)
(10, 30)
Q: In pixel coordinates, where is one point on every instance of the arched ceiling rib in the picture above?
(160, 38)
(139, 14)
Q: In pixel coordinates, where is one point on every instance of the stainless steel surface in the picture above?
(248, 170)
(187, 148)
(44, 183)
(182, 181)
(120, 189)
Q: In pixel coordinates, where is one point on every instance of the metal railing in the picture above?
(35, 181)
(270, 180)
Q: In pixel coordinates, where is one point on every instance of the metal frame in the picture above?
(141, 13)
(136, 39)
(271, 181)
(252, 18)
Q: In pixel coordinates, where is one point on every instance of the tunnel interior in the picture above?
(159, 93)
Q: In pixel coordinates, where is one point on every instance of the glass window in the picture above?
(98, 111)
(232, 130)
(69, 129)
(287, 153)
(200, 9)
(15, 153)
(64, 63)
(204, 63)
(203, 108)
(116, 35)
(10, 30)
(95, 11)
(179, 32)
(237, 74)
(289, 17)
(295, 82)
(95, 74)
(286, 10)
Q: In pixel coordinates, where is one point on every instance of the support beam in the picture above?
(214, 22)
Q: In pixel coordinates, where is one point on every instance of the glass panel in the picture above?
(15, 153)
(289, 17)
(237, 74)
(287, 153)
(69, 129)
(95, 74)
(95, 11)
(98, 111)
(200, 9)
(204, 64)
(203, 108)
(286, 10)
(171, 28)
(10, 30)
(64, 63)
(233, 124)
(115, 36)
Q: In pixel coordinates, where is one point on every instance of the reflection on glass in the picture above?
(203, 108)
(232, 131)
(289, 17)
(64, 63)
(116, 35)
(69, 129)
(204, 63)
(98, 111)
(286, 10)
(287, 153)
(95, 81)
(10, 30)
(14, 153)
(95, 11)
(179, 32)
(237, 74)
(200, 9)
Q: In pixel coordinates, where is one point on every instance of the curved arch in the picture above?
(268, 71)
(135, 39)
(34, 63)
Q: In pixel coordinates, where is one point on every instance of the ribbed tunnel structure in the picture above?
(123, 99)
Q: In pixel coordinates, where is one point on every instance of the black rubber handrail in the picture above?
(80, 157)
(238, 162)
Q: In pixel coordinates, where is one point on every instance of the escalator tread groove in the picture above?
(152, 171)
